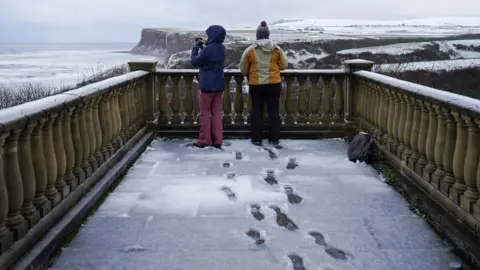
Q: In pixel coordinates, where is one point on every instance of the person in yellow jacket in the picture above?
(261, 63)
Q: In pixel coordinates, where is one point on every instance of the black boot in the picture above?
(256, 143)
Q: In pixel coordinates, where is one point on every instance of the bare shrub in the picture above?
(12, 96)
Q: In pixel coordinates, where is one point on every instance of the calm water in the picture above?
(60, 64)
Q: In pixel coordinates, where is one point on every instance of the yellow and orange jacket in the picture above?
(262, 62)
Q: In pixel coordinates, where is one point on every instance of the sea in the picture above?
(61, 64)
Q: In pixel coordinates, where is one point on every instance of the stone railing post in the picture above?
(302, 100)
(13, 180)
(6, 237)
(351, 66)
(151, 107)
(239, 105)
(29, 212)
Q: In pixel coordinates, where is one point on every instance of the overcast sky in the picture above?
(122, 20)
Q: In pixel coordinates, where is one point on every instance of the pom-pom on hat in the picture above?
(262, 31)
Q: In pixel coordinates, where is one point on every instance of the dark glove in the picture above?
(199, 44)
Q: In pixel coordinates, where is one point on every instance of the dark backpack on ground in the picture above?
(363, 149)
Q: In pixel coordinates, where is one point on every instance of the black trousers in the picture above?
(269, 94)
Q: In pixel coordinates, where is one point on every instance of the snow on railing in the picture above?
(459, 101)
(237, 71)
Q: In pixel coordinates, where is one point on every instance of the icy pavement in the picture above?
(186, 208)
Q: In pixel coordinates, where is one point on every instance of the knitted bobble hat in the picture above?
(262, 31)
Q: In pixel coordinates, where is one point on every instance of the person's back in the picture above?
(210, 61)
(261, 63)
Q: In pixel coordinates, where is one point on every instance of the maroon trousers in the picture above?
(211, 129)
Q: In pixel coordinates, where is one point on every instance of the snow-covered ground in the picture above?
(417, 27)
(183, 208)
(394, 49)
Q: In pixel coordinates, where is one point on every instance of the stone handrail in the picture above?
(319, 98)
(52, 146)
(435, 135)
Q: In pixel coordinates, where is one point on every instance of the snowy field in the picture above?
(184, 208)
(399, 28)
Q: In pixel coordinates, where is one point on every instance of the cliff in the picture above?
(174, 46)
(165, 42)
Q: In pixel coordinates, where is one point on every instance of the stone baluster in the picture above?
(289, 101)
(116, 141)
(77, 146)
(128, 110)
(50, 160)
(124, 115)
(302, 100)
(239, 106)
(396, 119)
(439, 148)
(313, 107)
(188, 105)
(339, 116)
(377, 116)
(325, 118)
(61, 159)
(459, 158)
(450, 141)
(249, 108)
(99, 158)
(84, 135)
(476, 207)
(117, 116)
(109, 121)
(281, 102)
(28, 210)
(39, 166)
(407, 130)
(422, 137)
(162, 100)
(227, 102)
(372, 103)
(374, 109)
(359, 96)
(13, 180)
(69, 148)
(136, 88)
(472, 157)
(6, 237)
(430, 143)
(401, 126)
(176, 117)
(390, 116)
(412, 160)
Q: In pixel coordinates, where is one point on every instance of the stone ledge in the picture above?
(449, 219)
(68, 214)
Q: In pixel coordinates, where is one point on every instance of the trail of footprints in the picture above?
(282, 219)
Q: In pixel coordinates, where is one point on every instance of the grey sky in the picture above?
(122, 20)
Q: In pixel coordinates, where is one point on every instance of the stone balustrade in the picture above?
(56, 146)
(53, 150)
(433, 135)
(309, 97)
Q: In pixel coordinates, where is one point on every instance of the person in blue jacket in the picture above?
(211, 61)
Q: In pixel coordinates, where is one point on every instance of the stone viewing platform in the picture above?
(121, 141)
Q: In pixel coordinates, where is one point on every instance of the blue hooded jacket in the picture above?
(211, 60)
